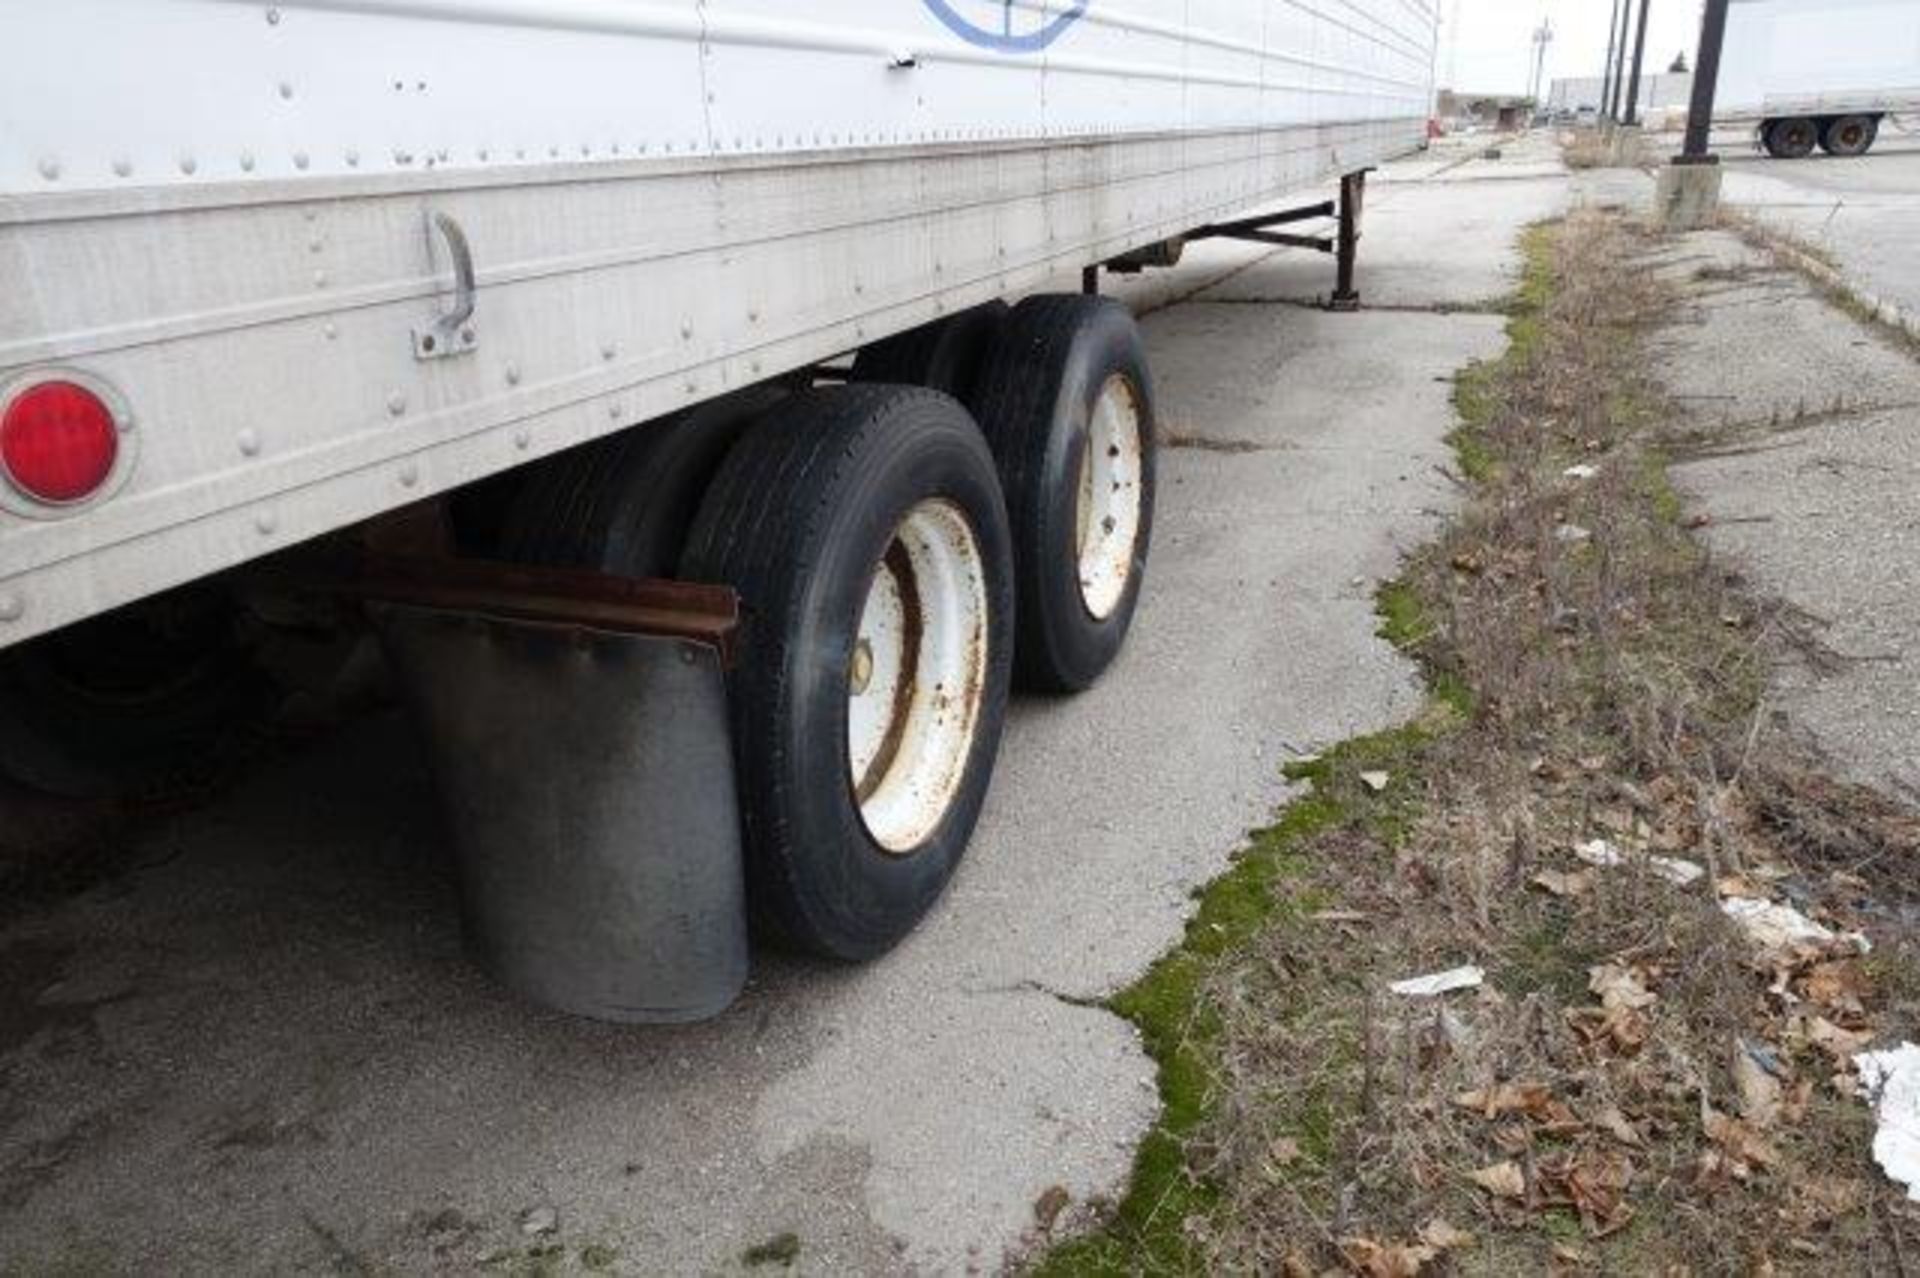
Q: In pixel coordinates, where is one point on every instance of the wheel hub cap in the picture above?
(916, 676)
(1108, 510)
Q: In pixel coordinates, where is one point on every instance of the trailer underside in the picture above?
(268, 350)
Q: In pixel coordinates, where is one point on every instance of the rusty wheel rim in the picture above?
(1107, 511)
(916, 677)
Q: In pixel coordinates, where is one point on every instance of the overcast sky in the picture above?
(1485, 45)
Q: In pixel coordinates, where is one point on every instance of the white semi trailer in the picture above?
(546, 292)
(1823, 74)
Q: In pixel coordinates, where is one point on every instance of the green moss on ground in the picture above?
(1147, 1231)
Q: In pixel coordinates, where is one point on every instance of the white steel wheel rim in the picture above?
(1107, 512)
(916, 679)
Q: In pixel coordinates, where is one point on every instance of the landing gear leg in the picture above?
(1353, 194)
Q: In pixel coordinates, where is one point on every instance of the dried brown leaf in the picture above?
(1840, 984)
(1821, 1198)
(1564, 882)
(1620, 1028)
(1742, 1146)
(1506, 1098)
(1619, 986)
(1440, 1234)
(1385, 1260)
(1839, 1044)
(1502, 1180)
(1610, 1120)
(1594, 1182)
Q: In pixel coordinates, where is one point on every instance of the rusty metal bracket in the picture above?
(553, 596)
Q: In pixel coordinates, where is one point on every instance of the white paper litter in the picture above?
(1571, 532)
(1598, 852)
(1375, 781)
(1772, 926)
(1434, 983)
(1673, 869)
(1582, 471)
(1892, 1081)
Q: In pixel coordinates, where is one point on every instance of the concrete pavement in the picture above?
(1811, 491)
(1812, 496)
(260, 1048)
(1862, 213)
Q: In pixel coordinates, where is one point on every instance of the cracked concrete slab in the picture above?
(1814, 499)
(1863, 213)
(261, 1048)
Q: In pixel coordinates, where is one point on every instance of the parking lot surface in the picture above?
(260, 1046)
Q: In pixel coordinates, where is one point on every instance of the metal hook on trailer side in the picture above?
(452, 333)
(577, 725)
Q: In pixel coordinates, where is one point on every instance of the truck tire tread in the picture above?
(773, 527)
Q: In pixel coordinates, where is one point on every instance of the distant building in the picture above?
(1498, 110)
(1657, 92)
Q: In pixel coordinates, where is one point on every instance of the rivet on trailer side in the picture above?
(536, 291)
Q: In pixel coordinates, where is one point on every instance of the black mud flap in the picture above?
(579, 739)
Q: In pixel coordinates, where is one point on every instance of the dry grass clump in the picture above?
(1585, 149)
(1638, 1086)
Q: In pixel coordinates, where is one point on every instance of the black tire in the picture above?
(1035, 399)
(1792, 138)
(797, 521)
(1849, 135)
(623, 504)
(944, 356)
(156, 696)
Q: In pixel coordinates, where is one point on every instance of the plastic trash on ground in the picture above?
(1892, 1081)
(1437, 983)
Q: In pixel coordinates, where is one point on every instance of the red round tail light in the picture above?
(58, 442)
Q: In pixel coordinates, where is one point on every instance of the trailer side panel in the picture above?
(242, 218)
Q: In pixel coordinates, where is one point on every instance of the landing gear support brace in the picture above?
(1344, 244)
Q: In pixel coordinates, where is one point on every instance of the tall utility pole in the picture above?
(1706, 73)
(1620, 60)
(1687, 195)
(1639, 51)
(1606, 72)
(1542, 37)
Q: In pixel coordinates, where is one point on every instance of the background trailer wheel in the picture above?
(161, 692)
(865, 534)
(943, 356)
(1849, 134)
(1067, 406)
(623, 504)
(1791, 139)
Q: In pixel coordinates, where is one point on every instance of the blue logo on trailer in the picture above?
(1000, 32)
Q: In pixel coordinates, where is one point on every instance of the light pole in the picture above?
(1620, 59)
(1689, 191)
(1706, 74)
(1542, 37)
(1639, 51)
(1606, 68)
